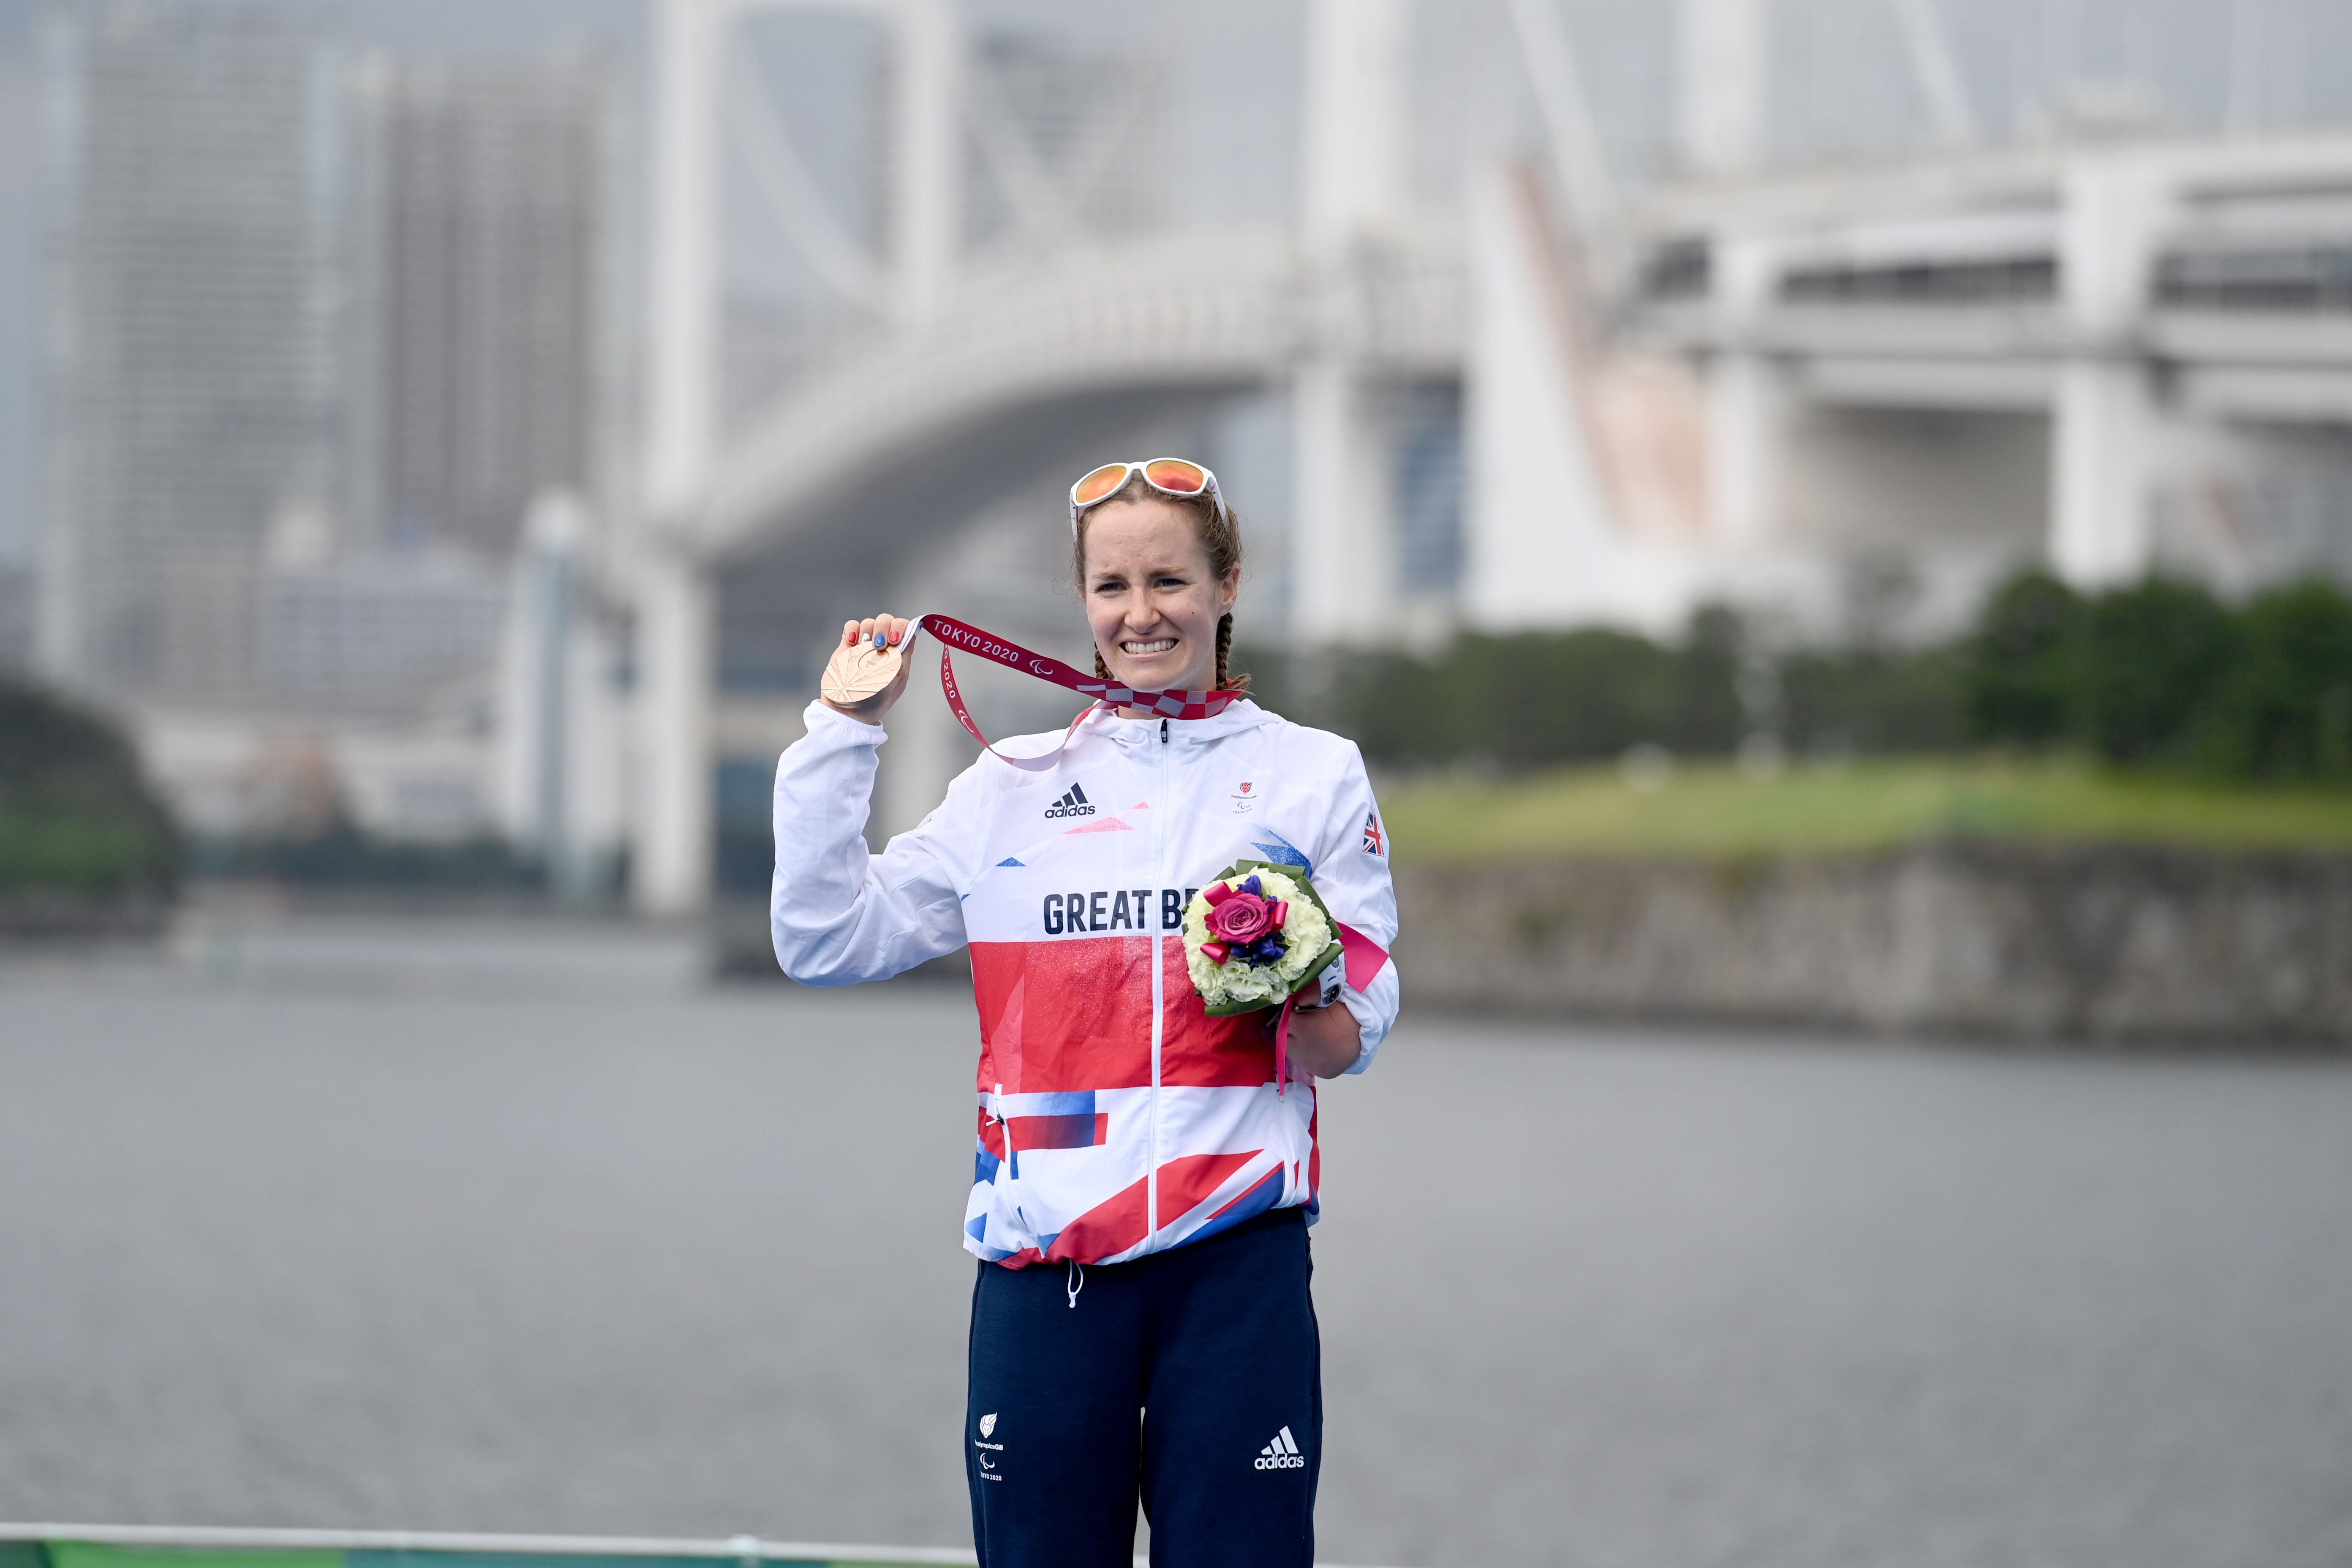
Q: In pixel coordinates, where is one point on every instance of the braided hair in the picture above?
(1221, 535)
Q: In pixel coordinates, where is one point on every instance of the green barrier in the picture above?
(90, 1554)
(430, 1558)
(69, 1547)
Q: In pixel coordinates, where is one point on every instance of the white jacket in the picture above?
(1116, 1117)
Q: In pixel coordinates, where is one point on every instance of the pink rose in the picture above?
(1241, 920)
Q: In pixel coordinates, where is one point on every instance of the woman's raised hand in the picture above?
(893, 630)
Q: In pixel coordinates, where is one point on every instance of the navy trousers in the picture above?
(1190, 1379)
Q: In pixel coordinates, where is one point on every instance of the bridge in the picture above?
(2101, 354)
(1747, 382)
(1195, 309)
(1357, 293)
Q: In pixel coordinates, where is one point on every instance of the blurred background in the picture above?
(1830, 520)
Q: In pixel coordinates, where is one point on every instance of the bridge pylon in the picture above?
(673, 809)
(1343, 524)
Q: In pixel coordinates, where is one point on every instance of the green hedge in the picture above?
(1521, 702)
(75, 816)
(2155, 676)
(2163, 675)
(341, 854)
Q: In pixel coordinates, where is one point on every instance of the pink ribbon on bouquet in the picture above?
(1364, 958)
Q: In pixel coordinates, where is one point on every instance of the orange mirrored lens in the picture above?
(1099, 483)
(1185, 478)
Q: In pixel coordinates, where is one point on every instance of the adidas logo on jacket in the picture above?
(1074, 804)
(1115, 1117)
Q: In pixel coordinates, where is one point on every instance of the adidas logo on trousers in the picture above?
(1071, 805)
(1282, 1454)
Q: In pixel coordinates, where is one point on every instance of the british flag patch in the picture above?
(1372, 842)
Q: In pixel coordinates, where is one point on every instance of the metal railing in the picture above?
(167, 1546)
(198, 1546)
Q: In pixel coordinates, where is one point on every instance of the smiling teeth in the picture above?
(1161, 646)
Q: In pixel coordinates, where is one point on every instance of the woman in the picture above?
(1142, 1193)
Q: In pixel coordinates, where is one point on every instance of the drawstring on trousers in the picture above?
(1074, 1281)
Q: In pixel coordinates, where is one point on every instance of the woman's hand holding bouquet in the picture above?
(1258, 936)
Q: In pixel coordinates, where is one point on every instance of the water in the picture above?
(375, 1224)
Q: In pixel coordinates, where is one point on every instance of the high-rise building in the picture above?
(190, 364)
(473, 256)
(317, 329)
(479, 264)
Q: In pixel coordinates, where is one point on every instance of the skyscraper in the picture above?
(189, 356)
(479, 264)
(473, 260)
(317, 329)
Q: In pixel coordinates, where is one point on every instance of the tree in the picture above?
(1580, 696)
(2152, 656)
(2022, 663)
(2286, 712)
(75, 816)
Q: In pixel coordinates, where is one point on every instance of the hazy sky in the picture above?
(1839, 87)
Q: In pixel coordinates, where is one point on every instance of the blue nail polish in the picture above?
(881, 641)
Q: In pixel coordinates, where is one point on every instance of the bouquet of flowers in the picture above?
(1254, 936)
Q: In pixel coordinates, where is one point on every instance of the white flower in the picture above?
(1305, 934)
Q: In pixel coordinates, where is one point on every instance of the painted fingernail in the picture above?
(881, 639)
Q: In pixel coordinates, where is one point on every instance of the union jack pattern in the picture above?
(1115, 1117)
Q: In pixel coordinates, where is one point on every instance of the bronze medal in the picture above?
(859, 673)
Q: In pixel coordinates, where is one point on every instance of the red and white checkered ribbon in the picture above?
(954, 633)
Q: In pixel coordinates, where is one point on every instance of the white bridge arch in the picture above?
(1353, 291)
(1209, 309)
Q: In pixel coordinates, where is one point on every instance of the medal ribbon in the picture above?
(954, 633)
(1363, 957)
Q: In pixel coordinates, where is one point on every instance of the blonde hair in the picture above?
(1220, 533)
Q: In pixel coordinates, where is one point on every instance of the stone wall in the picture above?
(2012, 940)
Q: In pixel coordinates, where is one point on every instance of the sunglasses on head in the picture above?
(1169, 476)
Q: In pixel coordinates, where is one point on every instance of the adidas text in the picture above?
(1074, 804)
(1282, 1454)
